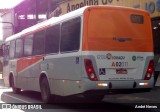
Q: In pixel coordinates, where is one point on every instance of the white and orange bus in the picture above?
(88, 51)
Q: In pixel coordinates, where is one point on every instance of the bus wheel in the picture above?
(14, 89)
(45, 90)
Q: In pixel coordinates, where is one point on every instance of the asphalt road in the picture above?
(133, 102)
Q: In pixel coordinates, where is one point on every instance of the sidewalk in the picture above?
(2, 83)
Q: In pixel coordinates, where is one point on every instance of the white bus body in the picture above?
(95, 51)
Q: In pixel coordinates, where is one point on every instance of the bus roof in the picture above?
(56, 20)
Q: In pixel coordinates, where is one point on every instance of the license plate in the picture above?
(121, 71)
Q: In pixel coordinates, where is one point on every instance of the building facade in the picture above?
(26, 14)
(152, 6)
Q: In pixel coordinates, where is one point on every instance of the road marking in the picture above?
(17, 98)
(11, 110)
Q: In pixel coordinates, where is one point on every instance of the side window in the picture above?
(52, 39)
(70, 37)
(19, 48)
(6, 51)
(12, 50)
(6, 54)
(39, 43)
(28, 45)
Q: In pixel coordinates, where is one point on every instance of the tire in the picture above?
(14, 89)
(45, 91)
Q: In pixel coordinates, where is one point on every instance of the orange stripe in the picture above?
(23, 63)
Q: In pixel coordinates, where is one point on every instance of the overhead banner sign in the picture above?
(152, 6)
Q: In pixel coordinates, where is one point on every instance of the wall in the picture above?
(152, 6)
(7, 27)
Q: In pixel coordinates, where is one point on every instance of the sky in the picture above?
(8, 3)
